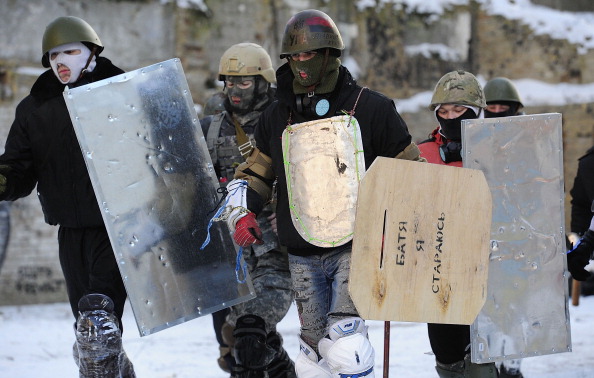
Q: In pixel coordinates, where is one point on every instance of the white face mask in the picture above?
(68, 60)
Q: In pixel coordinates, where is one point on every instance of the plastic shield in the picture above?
(526, 312)
(153, 178)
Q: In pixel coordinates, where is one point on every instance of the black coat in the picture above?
(42, 149)
(383, 131)
(582, 194)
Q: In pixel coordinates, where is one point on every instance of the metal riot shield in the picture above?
(526, 312)
(323, 210)
(156, 188)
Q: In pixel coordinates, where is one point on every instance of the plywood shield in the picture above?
(421, 243)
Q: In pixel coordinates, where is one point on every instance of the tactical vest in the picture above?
(225, 151)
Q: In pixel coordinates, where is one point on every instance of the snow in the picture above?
(37, 342)
(532, 93)
(575, 27)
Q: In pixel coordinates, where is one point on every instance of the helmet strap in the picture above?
(91, 56)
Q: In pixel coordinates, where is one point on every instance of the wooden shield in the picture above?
(421, 243)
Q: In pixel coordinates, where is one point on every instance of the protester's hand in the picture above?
(272, 219)
(3, 170)
(579, 257)
(247, 231)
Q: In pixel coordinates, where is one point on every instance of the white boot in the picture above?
(308, 365)
(347, 349)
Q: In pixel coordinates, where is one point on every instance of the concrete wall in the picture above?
(140, 33)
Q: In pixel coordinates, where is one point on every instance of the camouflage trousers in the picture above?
(272, 282)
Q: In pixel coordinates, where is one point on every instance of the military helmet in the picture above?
(458, 87)
(67, 29)
(246, 59)
(310, 30)
(501, 89)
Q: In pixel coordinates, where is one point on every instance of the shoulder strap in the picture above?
(212, 135)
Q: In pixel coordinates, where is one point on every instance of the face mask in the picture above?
(325, 81)
(452, 128)
(74, 63)
(239, 98)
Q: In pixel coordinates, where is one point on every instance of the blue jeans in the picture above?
(321, 286)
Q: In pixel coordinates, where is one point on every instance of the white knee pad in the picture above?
(347, 350)
(307, 364)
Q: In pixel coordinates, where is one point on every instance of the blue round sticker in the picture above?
(322, 107)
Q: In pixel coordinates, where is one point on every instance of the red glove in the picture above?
(247, 231)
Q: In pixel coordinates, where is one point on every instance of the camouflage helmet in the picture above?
(246, 59)
(458, 87)
(310, 30)
(64, 30)
(501, 89)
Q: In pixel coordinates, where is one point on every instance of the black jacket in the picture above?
(582, 194)
(42, 149)
(383, 131)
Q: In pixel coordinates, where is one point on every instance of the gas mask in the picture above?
(312, 106)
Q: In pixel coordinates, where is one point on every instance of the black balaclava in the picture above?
(451, 129)
(512, 111)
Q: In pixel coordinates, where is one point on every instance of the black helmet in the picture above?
(308, 30)
(67, 29)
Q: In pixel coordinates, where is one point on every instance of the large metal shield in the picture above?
(153, 178)
(324, 163)
(526, 312)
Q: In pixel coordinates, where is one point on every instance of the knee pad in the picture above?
(347, 349)
(308, 364)
(251, 349)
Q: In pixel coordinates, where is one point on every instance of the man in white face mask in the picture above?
(42, 150)
(70, 60)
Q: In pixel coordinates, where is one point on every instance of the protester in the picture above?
(456, 97)
(249, 343)
(42, 150)
(314, 87)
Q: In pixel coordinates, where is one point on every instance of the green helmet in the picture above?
(458, 87)
(67, 29)
(310, 30)
(246, 59)
(501, 89)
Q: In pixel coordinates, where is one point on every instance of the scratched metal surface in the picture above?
(324, 163)
(526, 313)
(156, 188)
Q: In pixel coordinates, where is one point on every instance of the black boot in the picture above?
(251, 350)
(282, 366)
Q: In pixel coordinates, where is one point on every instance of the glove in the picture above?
(3, 169)
(579, 257)
(247, 231)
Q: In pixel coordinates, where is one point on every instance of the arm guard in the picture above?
(257, 171)
(411, 152)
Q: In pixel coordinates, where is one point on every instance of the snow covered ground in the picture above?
(36, 341)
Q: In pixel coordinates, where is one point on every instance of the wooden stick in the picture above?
(386, 349)
(575, 292)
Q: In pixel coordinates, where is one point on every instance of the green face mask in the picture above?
(313, 69)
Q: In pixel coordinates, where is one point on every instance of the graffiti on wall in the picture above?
(38, 279)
